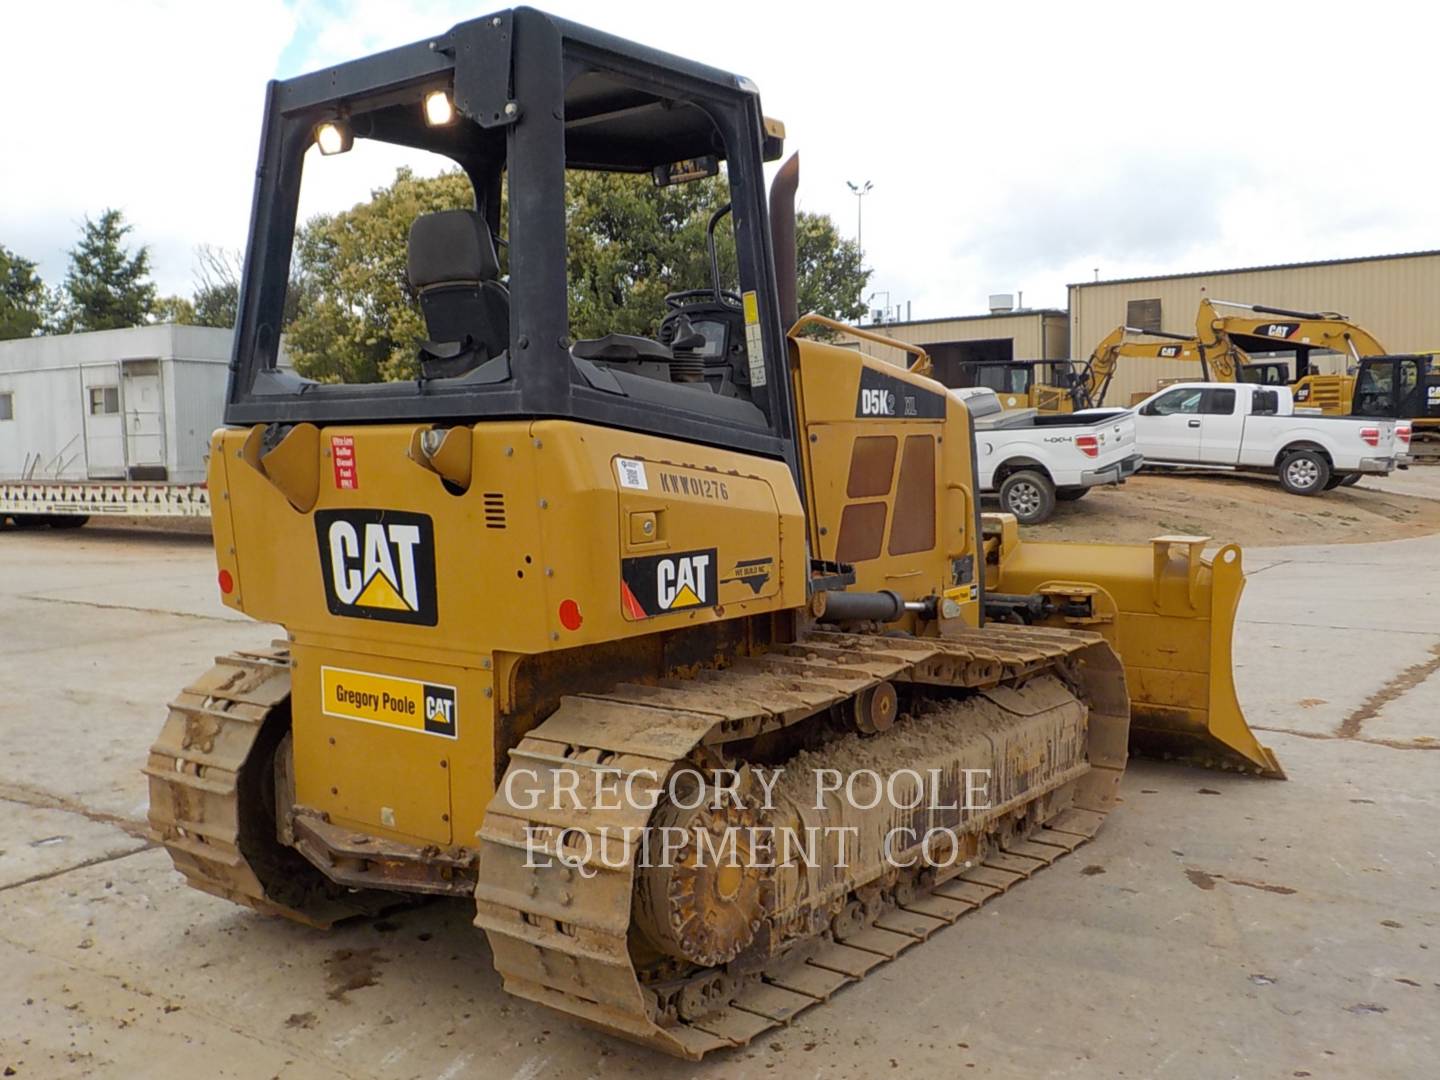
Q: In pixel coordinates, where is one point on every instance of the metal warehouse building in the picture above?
(1395, 297)
(1004, 334)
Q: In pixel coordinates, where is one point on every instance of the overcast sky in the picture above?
(1012, 146)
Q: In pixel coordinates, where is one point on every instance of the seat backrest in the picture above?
(454, 269)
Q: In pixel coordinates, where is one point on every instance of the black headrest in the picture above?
(452, 245)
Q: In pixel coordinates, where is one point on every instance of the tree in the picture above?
(356, 318)
(22, 297)
(831, 278)
(173, 309)
(107, 287)
(631, 243)
(217, 286)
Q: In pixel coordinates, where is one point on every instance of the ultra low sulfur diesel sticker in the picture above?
(389, 700)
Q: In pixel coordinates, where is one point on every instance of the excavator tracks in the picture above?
(212, 791)
(562, 898)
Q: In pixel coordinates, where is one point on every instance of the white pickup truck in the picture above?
(1251, 427)
(1032, 459)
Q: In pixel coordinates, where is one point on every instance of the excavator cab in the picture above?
(1267, 373)
(1397, 387)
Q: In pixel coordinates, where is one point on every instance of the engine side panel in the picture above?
(410, 601)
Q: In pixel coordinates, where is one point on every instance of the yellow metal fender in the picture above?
(1169, 612)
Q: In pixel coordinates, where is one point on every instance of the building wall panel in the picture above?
(1393, 297)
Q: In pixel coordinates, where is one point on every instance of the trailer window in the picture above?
(104, 400)
(7, 406)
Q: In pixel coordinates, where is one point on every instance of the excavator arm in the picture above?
(1226, 337)
(1119, 344)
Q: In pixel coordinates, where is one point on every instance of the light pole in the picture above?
(859, 191)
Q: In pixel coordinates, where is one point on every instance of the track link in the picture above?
(563, 939)
(212, 788)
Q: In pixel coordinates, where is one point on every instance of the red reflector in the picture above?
(1371, 435)
(570, 616)
(227, 583)
(1088, 445)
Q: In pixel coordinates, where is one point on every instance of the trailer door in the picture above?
(144, 419)
(104, 433)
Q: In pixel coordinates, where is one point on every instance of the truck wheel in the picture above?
(1305, 472)
(66, 521)
(1071, 494)
(1028, 495)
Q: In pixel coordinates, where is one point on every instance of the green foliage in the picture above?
(173, 309)
(23, 297)
(831, 278)
(217, 287)
(355, 318)
(107, 287)
(631, 243)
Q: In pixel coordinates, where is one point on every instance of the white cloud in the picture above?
(1012, 146)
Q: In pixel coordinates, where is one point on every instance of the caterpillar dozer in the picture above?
(552, 598)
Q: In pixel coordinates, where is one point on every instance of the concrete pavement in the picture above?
(1217, 927)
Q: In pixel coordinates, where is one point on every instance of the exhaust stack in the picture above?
(782, 238)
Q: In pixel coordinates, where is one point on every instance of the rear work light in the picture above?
(1088, 445)
(1371, 435)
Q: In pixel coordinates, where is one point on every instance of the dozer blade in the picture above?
(1170, 614)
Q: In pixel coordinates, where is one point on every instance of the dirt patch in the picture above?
(1407, 680)
(352, 969)
(1248, 510)
(1203, 880)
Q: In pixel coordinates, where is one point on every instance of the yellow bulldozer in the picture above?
(563, 616)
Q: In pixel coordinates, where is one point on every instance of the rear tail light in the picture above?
(1088, 445)
(1403, 433)
(1371, 435)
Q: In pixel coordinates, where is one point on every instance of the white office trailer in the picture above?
(110, 422)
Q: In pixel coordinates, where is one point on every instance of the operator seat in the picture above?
(454, 269)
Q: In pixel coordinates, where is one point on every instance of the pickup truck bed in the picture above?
(1032, 460)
